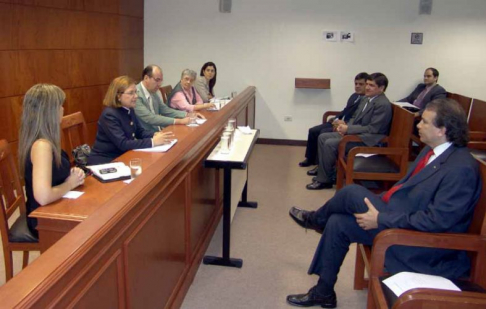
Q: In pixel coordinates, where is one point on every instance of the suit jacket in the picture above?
(440, 198)
(373, 123)
(118, 132)
(350, 108)
(437, 92)
(202, 87)
(163, 116)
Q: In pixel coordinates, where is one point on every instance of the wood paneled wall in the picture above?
(79, 45)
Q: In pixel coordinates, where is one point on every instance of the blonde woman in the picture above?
(46, 168)
(118, 127)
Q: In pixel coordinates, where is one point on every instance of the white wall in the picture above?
(267, 43)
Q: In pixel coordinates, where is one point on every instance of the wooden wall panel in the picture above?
(8, 29)
(79, 45)
(158, 251)
(477, 120)
(9, 74)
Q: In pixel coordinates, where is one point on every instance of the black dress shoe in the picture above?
(302, 218)
(313, 299)
(316, 185)
(313, 172)
(305, 163)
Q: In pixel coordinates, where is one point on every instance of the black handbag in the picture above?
(80, 155)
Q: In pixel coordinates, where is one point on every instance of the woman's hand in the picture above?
(76, 178)
(208, 105)
(163, 138)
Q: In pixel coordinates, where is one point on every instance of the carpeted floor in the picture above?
(276, 252)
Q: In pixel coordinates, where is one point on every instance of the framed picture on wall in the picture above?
(330, 36)
(417, 38)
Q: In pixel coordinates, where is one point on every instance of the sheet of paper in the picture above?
(73, 194)
(128, 181)
(161, 148)
(407, 105)
(200, 120)
(245, 130)
(404, 281)
(365, 155)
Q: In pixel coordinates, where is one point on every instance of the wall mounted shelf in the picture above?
(313, 83)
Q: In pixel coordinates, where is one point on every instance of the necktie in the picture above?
(419, 99)
(151, 104)
(422, 163)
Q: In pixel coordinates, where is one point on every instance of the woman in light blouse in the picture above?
(184, 96)
(205, 82)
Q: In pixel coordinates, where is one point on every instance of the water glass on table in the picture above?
(192, 118)
(135, 167)
(225, 144)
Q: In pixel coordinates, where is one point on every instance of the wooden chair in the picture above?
(464, 101)
(474, 241)
(328, 114)
(17, 237)
(74, 133)
(390, 164)
(166, 90)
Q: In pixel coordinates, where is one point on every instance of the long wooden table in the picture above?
(137, 245)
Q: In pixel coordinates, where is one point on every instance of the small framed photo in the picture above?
(417, 38)
(330, 36)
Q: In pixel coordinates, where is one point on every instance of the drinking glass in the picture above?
(225, 144)
(135, 167)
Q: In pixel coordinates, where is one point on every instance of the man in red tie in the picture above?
(438, 194)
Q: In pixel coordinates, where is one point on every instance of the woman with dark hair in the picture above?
(47, 172)
(206, 81)
(118, 127)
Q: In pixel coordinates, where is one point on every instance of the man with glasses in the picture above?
(150, 109)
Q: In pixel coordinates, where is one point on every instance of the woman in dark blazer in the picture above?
(118, 126)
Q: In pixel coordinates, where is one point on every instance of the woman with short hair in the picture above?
(118, 127)
(205, 82)
(47, 172)
(184, 96)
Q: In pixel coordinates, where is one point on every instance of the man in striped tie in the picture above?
(438, 194)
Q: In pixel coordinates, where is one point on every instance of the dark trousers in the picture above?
(314, 132)
(340, 230)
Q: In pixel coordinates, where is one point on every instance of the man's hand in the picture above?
(368, 220)
(342, 129)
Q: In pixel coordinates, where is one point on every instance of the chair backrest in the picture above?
(464, 101)
(166, 90)
(11, 194)
(478, 224)
(401, 127)
(74, 133)
(477, 117)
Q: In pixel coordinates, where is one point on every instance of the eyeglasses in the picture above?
(131, 93)
(157, 80)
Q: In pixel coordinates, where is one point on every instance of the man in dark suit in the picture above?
(426, 92)
(438, 195)
(371, 121)
(342, 118)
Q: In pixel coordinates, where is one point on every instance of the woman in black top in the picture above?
(45, 166)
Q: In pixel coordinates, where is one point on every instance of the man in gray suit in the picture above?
(150, 109)
(370, 121)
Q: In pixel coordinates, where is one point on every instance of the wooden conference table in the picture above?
(134, 245)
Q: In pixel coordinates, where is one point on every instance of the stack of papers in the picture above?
(245, 130)
(404, 281)
(118, 171)
(161, 148)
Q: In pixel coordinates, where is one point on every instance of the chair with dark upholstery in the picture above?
(18, 236)
(474, 241)
(166, 90)
(390, 163)
(74, 133)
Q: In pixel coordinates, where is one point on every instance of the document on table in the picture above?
(365, 155)
(73, 194)
(404, 281)
(116, 171)
(245, 130)
(161, 148)
(407, 106)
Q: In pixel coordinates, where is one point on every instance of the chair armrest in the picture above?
(417, 298)
(353, 138)
(477, 136)
(328, 114)
(390, 237)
